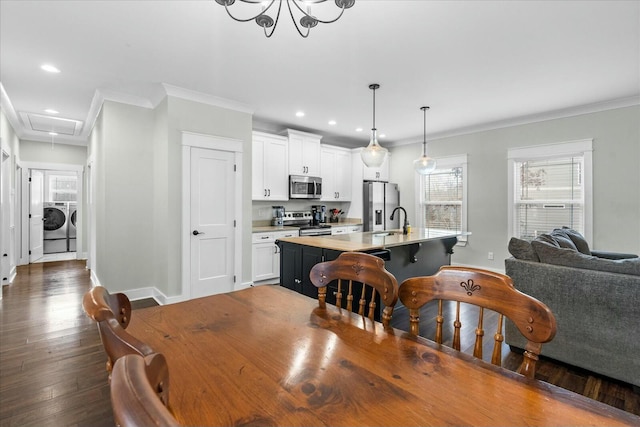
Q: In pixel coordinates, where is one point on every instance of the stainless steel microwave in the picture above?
(305, 187)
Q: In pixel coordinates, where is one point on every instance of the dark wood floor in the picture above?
(612, 392)
(52, 365)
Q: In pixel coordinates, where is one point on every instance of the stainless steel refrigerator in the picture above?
(379, 199)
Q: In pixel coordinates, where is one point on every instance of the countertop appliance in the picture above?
(305, 187)
(319, 214)
(278, 215)
(379, 200)
(304, 220)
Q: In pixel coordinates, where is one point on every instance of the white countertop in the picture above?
(372, 239)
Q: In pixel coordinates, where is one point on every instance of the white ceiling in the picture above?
(477, 64)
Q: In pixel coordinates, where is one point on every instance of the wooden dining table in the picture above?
(269, 356)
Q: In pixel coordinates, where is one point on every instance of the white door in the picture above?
(212, 222)
(36, 213)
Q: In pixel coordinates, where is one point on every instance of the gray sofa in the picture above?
(595, 298)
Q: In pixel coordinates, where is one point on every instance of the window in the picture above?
(550, 187)
(443, 196)
(61, 186)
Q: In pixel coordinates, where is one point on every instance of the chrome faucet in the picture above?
(405, 225)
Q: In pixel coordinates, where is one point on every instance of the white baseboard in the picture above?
(155, 293)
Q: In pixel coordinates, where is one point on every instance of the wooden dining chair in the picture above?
(140, 391)
(485, 289)
(354, 270)
(112, 313)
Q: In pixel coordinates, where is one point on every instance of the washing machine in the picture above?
(71, 226)
(55, 220)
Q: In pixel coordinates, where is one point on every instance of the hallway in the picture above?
(52, 364)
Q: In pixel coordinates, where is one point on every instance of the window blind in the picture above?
(549, 194)
(443, 198)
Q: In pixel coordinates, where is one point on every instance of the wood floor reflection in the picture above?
(52, 365)
(606, 390)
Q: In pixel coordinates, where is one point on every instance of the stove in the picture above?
(304, 220)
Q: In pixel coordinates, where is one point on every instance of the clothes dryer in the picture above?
(55, 227)
(71, 226)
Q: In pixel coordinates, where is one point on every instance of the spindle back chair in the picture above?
(351, 269)
(487, 290)
(140, 391)
(112, 314)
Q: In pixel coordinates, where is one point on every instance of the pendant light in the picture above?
(373, 155)
(424, 164)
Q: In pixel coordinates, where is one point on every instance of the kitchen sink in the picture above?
(385, 233)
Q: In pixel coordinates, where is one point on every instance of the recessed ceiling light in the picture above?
(53, 133)
(332, 122)
(358, 129)
(51, 111)
(50, 68)
(300, 114)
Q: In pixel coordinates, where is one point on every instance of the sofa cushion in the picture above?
(550, 254)
(578, 240)
(563, 240)
(521, 249)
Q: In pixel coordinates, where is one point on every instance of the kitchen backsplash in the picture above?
(263, 211)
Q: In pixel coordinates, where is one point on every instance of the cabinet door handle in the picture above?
(265, 192)
(269, 192)
(264, 237)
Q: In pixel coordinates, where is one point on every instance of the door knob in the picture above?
(196, 232)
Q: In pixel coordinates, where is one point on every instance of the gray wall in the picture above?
(184, 115)
(616, 179)
(138, 161)
(124, 186)
(34, 151)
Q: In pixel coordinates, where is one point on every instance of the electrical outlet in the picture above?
(490, 255)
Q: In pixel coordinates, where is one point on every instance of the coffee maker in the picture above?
(278, 215)
(318, 214)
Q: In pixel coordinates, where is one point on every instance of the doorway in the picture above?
(52, 212)
(212, 209)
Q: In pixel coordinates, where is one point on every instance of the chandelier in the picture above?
(300, 10)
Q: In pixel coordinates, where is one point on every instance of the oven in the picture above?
(305, 187)
(315, 230)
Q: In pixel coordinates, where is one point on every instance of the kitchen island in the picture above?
(420, 253)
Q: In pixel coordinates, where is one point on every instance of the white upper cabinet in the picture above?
(304, 153)
(270, 180)
(335, 166)
(376, 174)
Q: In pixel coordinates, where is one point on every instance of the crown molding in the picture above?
(532, 118)
(10, 112)
(204, 98)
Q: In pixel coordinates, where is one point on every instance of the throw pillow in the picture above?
(578, 240)
(547, 239)
(563, 240)
(551, 254)
(521, 249)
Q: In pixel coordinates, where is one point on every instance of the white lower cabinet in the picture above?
(266, 255)
(345, 229)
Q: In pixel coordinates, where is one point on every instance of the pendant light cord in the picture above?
(374, 86)
(424, 137)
